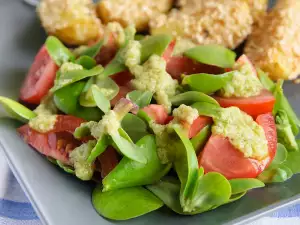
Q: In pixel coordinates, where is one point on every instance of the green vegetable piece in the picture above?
(128, 149)
(66, 168)
(86, 61)
(99, 148)
(280, 157)
(265, 80)
(140, 98)
(212, 190)
(207, 83)
(57, 51)
(16, 110)
(283, 104)
(129, 173)
(292, 162)
(144, 116)
(236, 197)
(212, 55)
(276, 175)
(126, 203)
(155, 44)
(201, 138)
(207, 109)
(186, 166)
(93, 50)
(285, 134)
(139, 37)
(73, 76)
(66, 100)
(134, 126)
(101, 101)
(242, 185)
(191, 97)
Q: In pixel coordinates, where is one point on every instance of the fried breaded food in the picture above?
(223, 22)
(274, 46)
(72, 21)
(127, 12)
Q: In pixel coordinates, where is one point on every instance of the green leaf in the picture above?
(101, 101)
(283, 104)
(212, 55)
(201, 138)
(144, 116)
(99, 148)
(16, 110)
(66, 100)
(207, 83)
(186, 166)
(265, 80)
(280, 157)
(236, 197)
(140, 98)
(292, 162)
(126, 203)
(276, 175)
(207, 109)
(86, 61)
(211, 191)
(241, 185)
(191, 97)
(155, 44)
(73, 76)
(134, 126)
(128, 149)
(129, 173)
(139, 37)
(93, 50)
(66, 168)
(57, 51)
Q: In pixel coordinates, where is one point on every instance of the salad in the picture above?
(192, 131)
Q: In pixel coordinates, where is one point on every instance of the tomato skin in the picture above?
(198, 125)
(158, 113)
(122, 78)
(244, 60)
(123, 91)
(178, 65)
(107, 52)
(40, 78)
(109, 159)
(67, 123)
(221, 156)
(169, 51)
(254, 106)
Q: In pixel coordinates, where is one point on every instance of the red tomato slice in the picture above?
(122, 78)
(253, 106)
(123, 91)
(107, 52)
(109, 159)
(178, 65)
(221, 156)
(58, 142)
(169, 51)
(158, 113)
(198, 125)
(40, 78)
(244, 60)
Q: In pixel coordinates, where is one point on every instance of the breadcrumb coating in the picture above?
(274, 46)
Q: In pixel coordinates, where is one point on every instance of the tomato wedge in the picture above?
(108, 160)
(122, 78)
(244, 60)
(178, 65)
(39, 79)
(123, 91)
(107, 52)
(198, 125)
(158, 113)
(57, 143)
(253, 106)
(219, 155)
(169, 51)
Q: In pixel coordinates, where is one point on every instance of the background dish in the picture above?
(65, 200)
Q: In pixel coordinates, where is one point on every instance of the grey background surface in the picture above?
(60, 199)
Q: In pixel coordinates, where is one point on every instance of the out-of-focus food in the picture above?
(223, 22)
(137, 12)
(258, 9)
(274, 46)
(73, 21)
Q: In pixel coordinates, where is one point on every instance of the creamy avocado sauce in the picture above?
(242, 131)
(244, 83)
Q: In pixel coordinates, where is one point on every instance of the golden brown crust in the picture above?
(274, 46)
(72, 21)
(137, 12)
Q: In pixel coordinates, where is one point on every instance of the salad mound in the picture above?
(192, 131)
